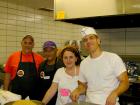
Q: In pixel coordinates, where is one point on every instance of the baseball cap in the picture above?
(49, 44)
(88, 30)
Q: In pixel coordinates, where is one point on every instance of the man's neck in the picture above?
(96, 53)
(24, 52)
(51, 62)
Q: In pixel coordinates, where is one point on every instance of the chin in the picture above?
(69, 66)
(28, 51)
(49, 59)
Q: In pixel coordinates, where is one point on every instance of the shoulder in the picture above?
(86, 60)
(15, 54)
(110, 54)
(38, 56)
(13, 59)
(112, 58)
(60, 71)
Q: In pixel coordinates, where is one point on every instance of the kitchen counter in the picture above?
(132, 95)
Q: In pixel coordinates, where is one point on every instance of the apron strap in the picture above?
(34, 61)
(21, 60)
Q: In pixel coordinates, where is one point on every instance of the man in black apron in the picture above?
(48, 68)
(25, 82)
(21, 70)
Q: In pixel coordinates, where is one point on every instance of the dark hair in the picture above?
(74, 51)
(28, 36)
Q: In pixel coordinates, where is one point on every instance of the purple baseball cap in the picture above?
(49, 44)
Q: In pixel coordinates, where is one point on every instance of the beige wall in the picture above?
(124, 41)
(16, 21)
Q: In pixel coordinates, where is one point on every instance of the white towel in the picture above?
(7, 96)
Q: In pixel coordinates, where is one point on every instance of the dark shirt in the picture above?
(46, 80)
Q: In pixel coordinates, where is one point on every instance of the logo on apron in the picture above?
(20, 73)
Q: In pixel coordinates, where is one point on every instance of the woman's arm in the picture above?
(81, 89)
(50, 93)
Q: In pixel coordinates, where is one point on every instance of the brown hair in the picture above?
(28, 36)
(74, 51)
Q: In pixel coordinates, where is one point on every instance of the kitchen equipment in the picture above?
(25, 102)
(132, 69)
(132, 79)
(80, 103)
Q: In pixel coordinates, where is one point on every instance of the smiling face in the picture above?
(91, 42)
(69, 59)
(50, 53)
(27, 45)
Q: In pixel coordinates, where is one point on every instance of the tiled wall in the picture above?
(124, 41)
(16, 21)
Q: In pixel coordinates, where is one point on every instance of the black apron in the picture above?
(46, 83)
(25, 82)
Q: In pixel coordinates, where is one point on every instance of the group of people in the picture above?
(100, 78)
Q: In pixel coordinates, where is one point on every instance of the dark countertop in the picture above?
(132, 95)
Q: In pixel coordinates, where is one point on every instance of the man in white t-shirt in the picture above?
(103, 75)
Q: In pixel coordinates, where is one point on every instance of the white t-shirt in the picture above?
(101, 74)
(66, 84)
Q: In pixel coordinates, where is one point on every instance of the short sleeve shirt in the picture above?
(101, 74)
(13, 61)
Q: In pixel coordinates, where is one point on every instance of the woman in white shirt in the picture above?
(66, 78)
